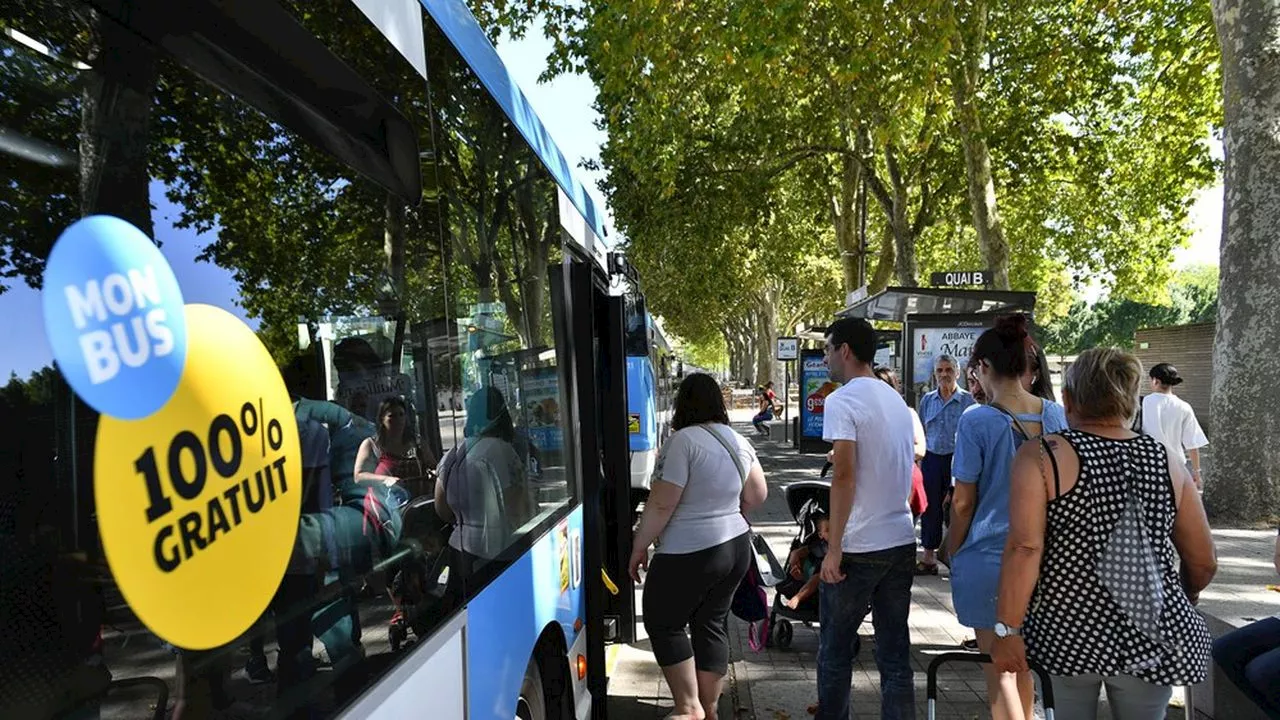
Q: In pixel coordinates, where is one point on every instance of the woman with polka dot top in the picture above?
(1090, 588)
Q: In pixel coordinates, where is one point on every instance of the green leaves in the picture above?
(1192, 297)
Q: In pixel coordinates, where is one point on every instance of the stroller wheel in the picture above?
(782, 634)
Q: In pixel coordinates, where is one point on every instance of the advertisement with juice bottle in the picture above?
(815, 386)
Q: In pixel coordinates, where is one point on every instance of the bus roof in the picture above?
(461, 27)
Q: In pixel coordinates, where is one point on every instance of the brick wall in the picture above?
(1190, 349)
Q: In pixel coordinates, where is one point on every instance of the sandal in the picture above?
(813, 709)
(923, 568)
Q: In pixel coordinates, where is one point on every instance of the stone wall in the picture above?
(1190, 349)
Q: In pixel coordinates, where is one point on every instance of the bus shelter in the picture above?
(934, 322)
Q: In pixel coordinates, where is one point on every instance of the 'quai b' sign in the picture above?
(960, 278)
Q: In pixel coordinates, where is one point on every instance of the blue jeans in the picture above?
(1250, 656)
(879, 581)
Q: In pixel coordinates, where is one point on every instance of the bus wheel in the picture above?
(532, 704)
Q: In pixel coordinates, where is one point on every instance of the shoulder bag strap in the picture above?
(1022, 429)
(1057, 481)
(733, 453)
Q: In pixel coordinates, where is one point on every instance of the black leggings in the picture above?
(694, 590)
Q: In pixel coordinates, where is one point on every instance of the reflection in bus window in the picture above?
(507, 471)
(370, 302)
(282, 229)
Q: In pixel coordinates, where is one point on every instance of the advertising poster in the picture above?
(541, 398)
(928, 343)
(815, 386)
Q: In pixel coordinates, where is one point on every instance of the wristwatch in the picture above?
(1004, 631)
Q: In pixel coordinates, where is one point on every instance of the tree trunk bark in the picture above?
(393, 255)
(742, 352)
(966, 80)
(845, 218)
(1243, 478)
(115, 126)
(731, 351)
(767, 332)
(905, 268)
(884, 266)
(904, 238)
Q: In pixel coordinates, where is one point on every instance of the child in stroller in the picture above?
(419, 577)
(796, 598)
(804, 565)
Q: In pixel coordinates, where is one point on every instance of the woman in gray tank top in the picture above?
(706, 478)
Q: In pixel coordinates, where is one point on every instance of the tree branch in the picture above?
(867, 163)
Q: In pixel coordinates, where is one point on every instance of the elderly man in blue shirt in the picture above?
(940, 413)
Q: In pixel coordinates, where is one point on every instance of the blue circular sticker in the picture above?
(113, 312)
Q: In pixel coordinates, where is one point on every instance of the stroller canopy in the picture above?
(800, 493)
(808, 501)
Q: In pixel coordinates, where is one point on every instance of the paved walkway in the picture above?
(779, 684)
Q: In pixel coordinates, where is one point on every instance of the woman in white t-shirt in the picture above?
(482, 487)
(707, 476)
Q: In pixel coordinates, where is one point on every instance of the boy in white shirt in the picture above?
(1169, 419)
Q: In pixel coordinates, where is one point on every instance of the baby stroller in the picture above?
(418, 577)
(809, 501)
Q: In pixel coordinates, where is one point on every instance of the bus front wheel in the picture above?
(532, 704)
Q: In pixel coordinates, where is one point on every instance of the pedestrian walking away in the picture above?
(870, 561)
(706, 479)
(986, 439)
(1170, 420)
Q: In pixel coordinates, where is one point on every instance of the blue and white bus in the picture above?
(653, 371)
(365, 220)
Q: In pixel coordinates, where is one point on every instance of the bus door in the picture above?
(601, 380)
(611, 374)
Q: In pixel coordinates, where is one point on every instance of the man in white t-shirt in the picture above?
(871, 560)
(1169, 419)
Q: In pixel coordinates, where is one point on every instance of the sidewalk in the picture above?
(780, 684)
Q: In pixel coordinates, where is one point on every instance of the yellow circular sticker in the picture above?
(198, 503)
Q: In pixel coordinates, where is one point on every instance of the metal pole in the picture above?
(862, 229)
(786, 399)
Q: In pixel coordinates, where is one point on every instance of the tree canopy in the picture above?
(1114, 321)
(764, 159)
(1084, 123)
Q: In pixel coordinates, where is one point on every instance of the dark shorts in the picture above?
(694, 591)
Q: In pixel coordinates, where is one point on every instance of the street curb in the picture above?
(739, 679)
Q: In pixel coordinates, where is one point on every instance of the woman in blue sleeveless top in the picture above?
(986, 439)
